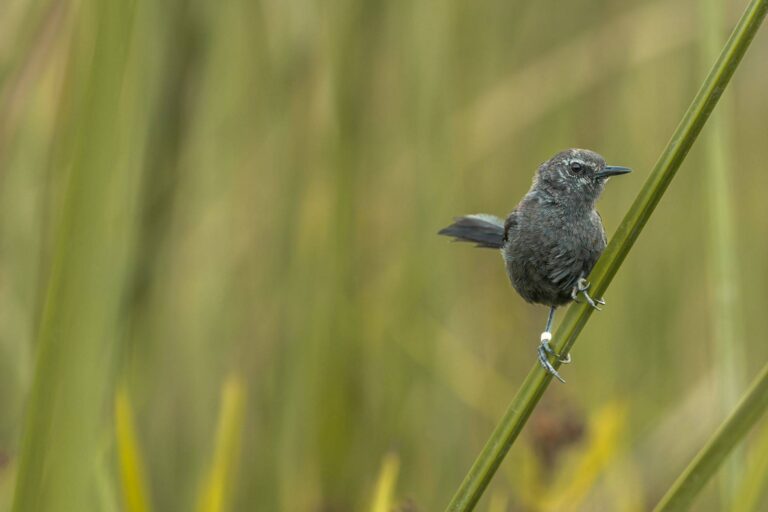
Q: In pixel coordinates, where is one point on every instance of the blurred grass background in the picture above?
(287, 330)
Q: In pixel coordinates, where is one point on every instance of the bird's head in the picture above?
(575, 177)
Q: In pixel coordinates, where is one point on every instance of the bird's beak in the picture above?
(612, 170)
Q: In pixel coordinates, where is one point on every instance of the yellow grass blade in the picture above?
(385, 483)
(606, 428)
(215, 491)
(573, 482)
(132, 475)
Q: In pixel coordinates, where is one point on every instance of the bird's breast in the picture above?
(546, 254)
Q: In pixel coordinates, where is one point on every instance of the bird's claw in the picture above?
(593, 302)
(544, 362)
(545, 350)
(582, 285)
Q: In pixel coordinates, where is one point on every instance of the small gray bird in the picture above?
(552, 238)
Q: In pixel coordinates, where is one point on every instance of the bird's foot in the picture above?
(545, 350)
(582, 285)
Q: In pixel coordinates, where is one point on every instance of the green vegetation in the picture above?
(220, 283)
(708, 460)
(533, 387)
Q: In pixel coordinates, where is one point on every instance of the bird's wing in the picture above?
(564, 270)
(602, 229)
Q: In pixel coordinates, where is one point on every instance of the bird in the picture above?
(552, 239)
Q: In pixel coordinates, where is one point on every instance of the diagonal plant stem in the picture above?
(505, 433)
(751, 407)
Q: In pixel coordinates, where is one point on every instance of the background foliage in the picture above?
(284, 327)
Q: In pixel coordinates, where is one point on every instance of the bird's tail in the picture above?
(482, 229)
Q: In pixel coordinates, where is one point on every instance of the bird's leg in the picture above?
(582, 285)
(545, 349)
(546, 336)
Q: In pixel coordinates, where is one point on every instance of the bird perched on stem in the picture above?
(552, 238)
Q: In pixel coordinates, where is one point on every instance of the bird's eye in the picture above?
(576, 167)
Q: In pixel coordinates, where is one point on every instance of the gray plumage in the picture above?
(482, 229)
(554, 236)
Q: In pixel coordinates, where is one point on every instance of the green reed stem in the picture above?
(708, 460)
(505, 433)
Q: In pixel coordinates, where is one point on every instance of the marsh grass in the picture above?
(724, 276)
(87, 279)
(258, 187)
(530, 392)
(749, 410)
